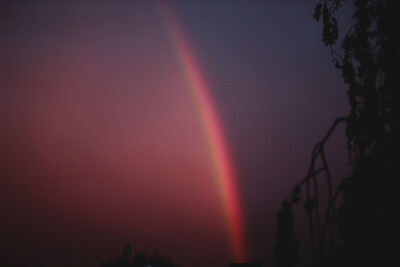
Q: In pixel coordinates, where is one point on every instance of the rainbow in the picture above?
(213, 134)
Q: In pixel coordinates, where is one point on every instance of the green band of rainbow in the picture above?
(216, 145)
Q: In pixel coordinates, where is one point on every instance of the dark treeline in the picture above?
(129, 259)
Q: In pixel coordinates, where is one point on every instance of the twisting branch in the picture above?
(311, 204)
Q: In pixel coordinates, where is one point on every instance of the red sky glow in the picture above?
(120, 124)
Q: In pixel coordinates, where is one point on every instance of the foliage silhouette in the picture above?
(368, 220)
(139, 260)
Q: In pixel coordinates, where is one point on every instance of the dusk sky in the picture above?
(105, 137)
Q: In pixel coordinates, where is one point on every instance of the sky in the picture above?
(105, 139)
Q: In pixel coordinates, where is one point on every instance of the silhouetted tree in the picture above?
(369, 59)
(286, 250)
(368, 220)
